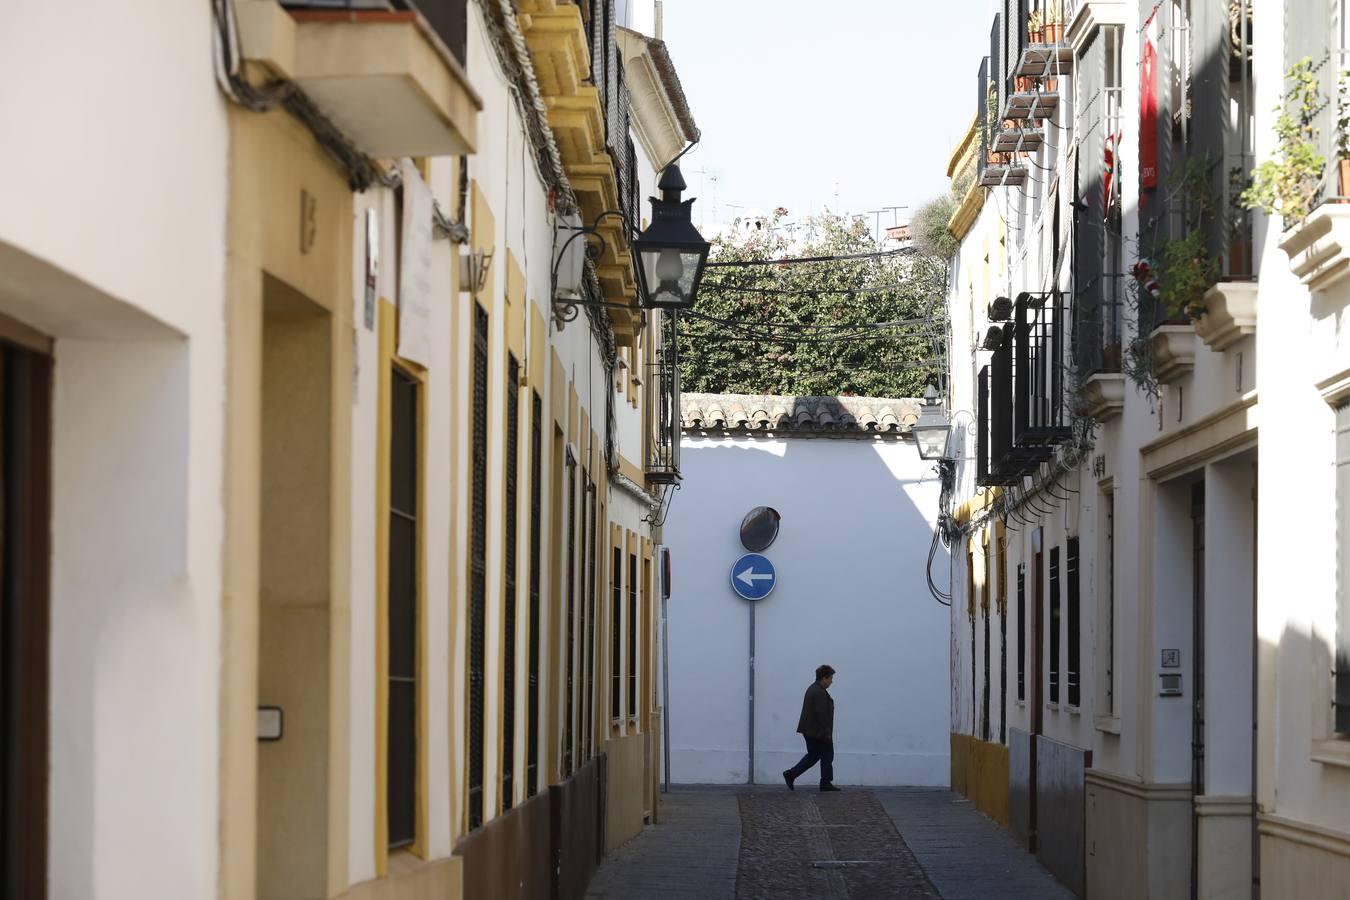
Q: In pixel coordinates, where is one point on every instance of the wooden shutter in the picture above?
(632, 634)
(1053, 662)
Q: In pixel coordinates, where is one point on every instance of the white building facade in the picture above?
(1145, 629)
(857, 512)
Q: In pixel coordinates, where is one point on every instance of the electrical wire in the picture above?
(802, 292)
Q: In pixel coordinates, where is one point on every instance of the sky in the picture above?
(851, 105)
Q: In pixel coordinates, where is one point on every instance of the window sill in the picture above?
(1332, 751)
(1021, 704)
(1108, 724)
(1052, 705)
(1074, 710)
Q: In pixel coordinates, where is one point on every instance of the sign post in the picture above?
(753, 578)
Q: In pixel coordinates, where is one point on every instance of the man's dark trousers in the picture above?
(816, 751)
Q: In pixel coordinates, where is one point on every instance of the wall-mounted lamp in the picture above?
(473, 270)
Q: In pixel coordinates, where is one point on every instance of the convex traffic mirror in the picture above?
(759, 528)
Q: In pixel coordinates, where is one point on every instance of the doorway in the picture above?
(1198, 675)
(25, 500)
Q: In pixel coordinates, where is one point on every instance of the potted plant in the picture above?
(1035, 27)
(1290, 184)
(1054, 22)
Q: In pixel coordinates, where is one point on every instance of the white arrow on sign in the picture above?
(750, 576)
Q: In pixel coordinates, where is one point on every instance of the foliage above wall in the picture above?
(867, 327)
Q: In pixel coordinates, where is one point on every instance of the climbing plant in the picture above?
(872, 326)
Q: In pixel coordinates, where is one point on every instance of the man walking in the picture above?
(817, 726)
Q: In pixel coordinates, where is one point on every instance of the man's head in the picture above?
(824, 675)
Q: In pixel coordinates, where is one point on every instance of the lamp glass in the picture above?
(931, 440)
(670, 274)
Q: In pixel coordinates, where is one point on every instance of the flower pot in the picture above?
(1054, 33)
(1111, 358)
(1343, 188)
(1036, 37)
(1023, 84)
(1051, 85)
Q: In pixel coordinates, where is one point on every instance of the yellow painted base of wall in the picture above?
(411, 879)
(1299, 860)
(980, 772)
(626, 800)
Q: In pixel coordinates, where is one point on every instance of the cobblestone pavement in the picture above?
(924, 843)
(805, 844)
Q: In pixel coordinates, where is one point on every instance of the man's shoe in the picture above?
(787, 776)
(826, 787)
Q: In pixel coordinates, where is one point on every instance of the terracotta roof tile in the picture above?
(858, 417)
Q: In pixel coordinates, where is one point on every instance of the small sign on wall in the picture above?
(270, 723)
(1171, 659)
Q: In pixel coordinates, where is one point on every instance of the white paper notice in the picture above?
(414, 276)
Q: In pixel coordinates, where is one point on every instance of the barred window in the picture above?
(536, 574)
(570, 649)
(615, 631)
(590, 538)
(510, 597)
(401, 774)
(1054, 625)
(632, 634)
(1341, 679)
(1022, 632)
(1075, 639)
(478, 565)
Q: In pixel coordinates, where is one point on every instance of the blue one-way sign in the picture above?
(753, 577)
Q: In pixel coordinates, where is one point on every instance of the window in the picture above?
(1001, 579)
(632, 634)
(1107, 614)
(401, 771)
(570, 648)
(590, 623)
(1022, 632)
(536, 574)
(984, 614)
(1341, 689)
(1053, 662)
(615, 630)
(1075, 640)
(478, 566)
(510, 597)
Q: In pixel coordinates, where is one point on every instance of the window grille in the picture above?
(1110, 613)
(593, 535)
(1021, 632)
(401, 795)
(1341, 678)
(984, 611)
(570, 650)
(632, 634)
(511, 598)
(1074, 623)
(1054, 625)
(478, 567)
(615, 628)
(536, 574)
(1001, 579)
(982, 429)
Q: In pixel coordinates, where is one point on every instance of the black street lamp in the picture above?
(671, 252)
(930, 432)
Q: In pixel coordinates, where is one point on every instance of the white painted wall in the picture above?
(113, 242)
(857, 522)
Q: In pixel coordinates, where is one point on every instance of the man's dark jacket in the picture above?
(817, 719)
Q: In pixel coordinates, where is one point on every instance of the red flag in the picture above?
(1148, 110)
(1109, 177)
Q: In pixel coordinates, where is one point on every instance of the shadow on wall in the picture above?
(851, 591)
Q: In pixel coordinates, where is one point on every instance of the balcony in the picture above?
(998, 174)
(384, 77)
(1097, 347)
(1018, 140)
(1031, 105)
(1044, 61)
(1040, 419)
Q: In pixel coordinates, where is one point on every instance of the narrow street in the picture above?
(761, 842)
